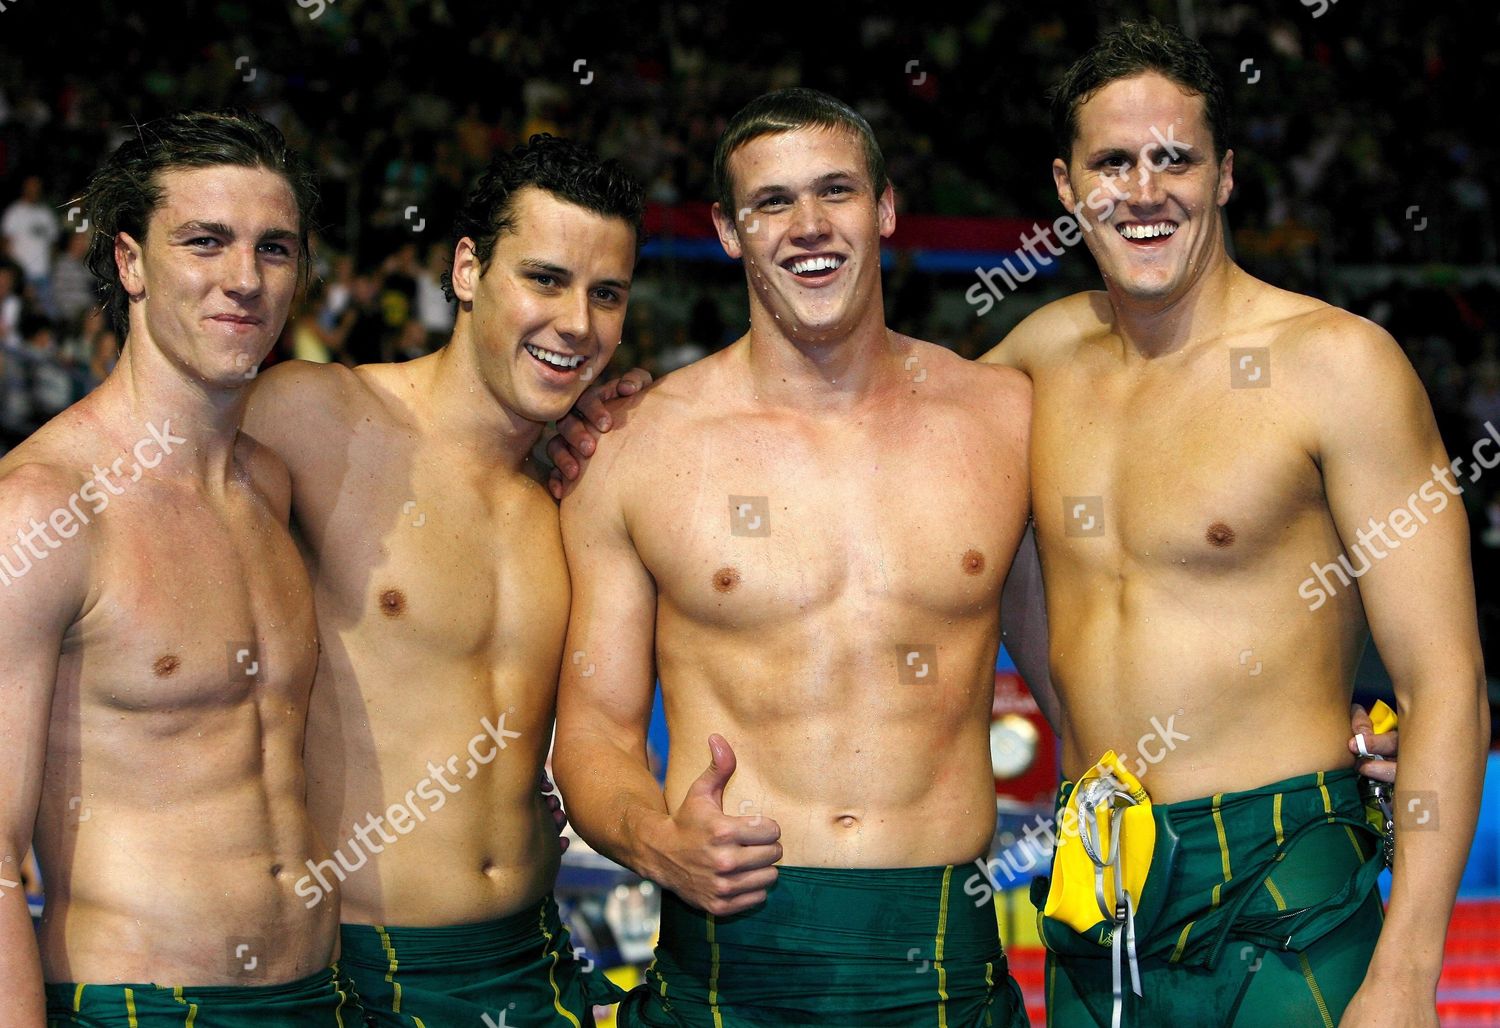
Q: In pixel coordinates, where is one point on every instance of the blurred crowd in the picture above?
(1353, 148)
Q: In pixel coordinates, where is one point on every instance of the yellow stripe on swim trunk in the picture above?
(552, 971)
(1328, 809)
(192, 1014)
(130, 1008)
(338, 1011)
(937, 956)
(713, 974)
(1182, 941)
(1276, 821)
(390, 974)
(1223, 851)
(78, 1000)
(1223, 842)
(1317, 993)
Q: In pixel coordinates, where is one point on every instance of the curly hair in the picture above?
(127, 189)
(563, 167)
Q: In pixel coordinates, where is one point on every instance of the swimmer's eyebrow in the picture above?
(841, 175)
(537, 264)
(218, 228)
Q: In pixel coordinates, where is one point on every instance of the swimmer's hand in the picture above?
(559, 815)
(717, 862)
(579, 431)
(1382, 745)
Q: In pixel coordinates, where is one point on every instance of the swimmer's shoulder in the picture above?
(298, 401)
(996, 394)
(49, 480)
(1054, 331)
(1322, 347)
(680, 401)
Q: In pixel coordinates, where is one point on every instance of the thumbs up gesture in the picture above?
(715, 861)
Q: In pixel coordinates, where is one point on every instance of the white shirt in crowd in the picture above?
(32, 231)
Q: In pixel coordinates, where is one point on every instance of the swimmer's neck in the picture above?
(835, 374)
(147, 390)
(456, 401)
(1202, 311)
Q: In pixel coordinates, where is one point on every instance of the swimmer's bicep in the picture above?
(609, 671)
(43, 584)
(1387, 475)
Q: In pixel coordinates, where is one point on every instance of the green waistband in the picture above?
(862, 914)
(514, 935)
(319, 993)
(1339, 782)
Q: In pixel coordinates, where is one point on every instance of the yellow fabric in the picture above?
(1071, 898)
(1382, 717)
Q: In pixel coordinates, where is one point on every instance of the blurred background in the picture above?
(1364, 176)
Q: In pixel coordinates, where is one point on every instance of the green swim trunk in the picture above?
(322, 1000)
(1260, 908)
(521, 966)
(888, 946)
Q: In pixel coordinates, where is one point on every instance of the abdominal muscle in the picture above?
(859, 788)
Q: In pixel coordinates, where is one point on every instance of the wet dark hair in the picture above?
(1127, 50)
(565, 168)
(127, 189)
(786, 110)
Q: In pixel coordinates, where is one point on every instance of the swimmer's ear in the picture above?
(886, 209)
(466, 270)
(1226, 177)
(1064, 187)
(128, 261)
(729, 234)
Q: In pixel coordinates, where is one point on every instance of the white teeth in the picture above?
(816, 264)
(557, 360)
(1138, 231)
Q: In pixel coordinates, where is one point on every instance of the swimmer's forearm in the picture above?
(22, 1001)
(1442, 767)
(612, 799)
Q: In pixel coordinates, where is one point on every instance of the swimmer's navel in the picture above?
(846, 821)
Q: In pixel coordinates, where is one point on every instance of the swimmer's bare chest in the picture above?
(1176, 512)
(851, 526)
(198, 604)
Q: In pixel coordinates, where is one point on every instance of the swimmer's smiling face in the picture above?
(546, 315)
(1155, 211)
(213, 279)
(810, 232)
